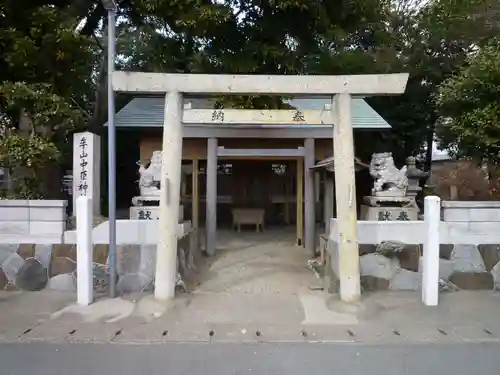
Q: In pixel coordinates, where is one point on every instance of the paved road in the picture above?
(268, 359)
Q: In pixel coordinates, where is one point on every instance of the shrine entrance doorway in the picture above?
(272, 185)
(256, 185)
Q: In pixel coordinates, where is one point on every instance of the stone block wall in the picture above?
(31, 218)
(469, 250)
(467, 267)
(136, 266)
(470, 211)
(36, 267)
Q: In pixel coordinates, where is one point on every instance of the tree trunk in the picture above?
(17, 174)
(51, 181)
(428, 152)
(99, 113)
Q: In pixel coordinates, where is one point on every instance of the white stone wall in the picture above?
(413, 232)
(470, 211)
(129, 232)
(28, 221)
(374, 232)
(472, 229)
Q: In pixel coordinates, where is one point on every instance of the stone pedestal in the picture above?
(389, 213)
(146, 200)
(150, 212)
(386, 208)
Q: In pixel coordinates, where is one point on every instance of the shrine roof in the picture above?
(147, 112)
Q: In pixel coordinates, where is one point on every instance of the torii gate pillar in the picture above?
(166, 253)
(340, 88)
(345, 191)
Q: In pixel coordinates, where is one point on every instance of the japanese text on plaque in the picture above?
(83, 163)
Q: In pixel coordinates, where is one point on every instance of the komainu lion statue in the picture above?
(389, 180)
(149, 183)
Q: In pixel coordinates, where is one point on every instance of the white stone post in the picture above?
(211, 191)
(166, 257)
(84, 251)
(345, 189)
(309, 197)
(430, 274)
(87, 169)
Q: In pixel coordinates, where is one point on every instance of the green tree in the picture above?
(45, 80)
(249, 37)
(431, 40)
(469, 104)
(310, 37)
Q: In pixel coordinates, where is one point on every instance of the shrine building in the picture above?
(265, 170)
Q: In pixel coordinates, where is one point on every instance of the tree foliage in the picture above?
(45, 79)
(470, 106)
(252, 37)
(53, 66)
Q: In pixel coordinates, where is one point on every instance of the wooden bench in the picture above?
(251, 216)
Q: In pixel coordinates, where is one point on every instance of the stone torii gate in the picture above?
(340, 88)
